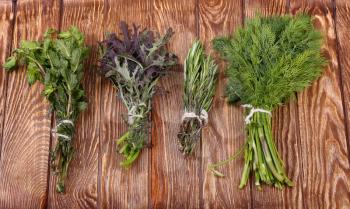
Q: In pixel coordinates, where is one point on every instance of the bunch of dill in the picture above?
(269, 60)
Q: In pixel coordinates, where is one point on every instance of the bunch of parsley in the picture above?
(200, 80)
(134, 65)
(269, 60)
(57, 62)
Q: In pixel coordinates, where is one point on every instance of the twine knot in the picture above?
(202, 117)
(61, 122)
(253, 110)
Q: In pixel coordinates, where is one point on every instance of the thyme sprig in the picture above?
(134, 65)
(269, 60)
(57, 62)
(199, 88)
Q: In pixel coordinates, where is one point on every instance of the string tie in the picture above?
(253, 110)
(202, 117)
(64, 136)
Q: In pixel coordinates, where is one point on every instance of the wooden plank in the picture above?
(175, 179)
(26, 134)
(121, 188)
(224, 134)
(326, 172)
(81, 185)
(343, 35)
(285, 131)
(6, 36)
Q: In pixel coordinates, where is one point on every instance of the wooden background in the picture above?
(312, 131)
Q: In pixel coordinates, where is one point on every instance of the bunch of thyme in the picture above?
(134, 65)
(57, 61)
(199, 89)
(269, 60)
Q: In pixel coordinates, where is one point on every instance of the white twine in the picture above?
(132, 113)
(68, 138)
(203, 117)
(65, 122)
(253, 110)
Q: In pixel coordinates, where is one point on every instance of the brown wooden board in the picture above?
(224, 134)
(342, 20)
(120, 187)
(81, 185)
(285, 131)
(6, 35)
(326, 172)
(310, 131)
(175, 179)
(26, 134)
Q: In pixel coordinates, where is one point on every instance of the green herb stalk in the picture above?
(56, 62)
(199, 89)
(268, 61)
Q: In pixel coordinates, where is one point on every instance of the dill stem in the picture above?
(247, 167)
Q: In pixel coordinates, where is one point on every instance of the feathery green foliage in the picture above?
(199, 89)
(57, 63)
(269, 60)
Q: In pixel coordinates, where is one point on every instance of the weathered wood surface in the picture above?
(326, 169)
(312, 132)
(26, 130)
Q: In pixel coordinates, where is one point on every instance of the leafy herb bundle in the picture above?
(57, 63)
(199, 89)
(134, 65)
(269, 60)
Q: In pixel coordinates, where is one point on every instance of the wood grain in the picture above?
(285, 131)
(175, 179)
(121, 188)
(26, 134)
(6, 35)
(81, 185)
(342, 19)
(310, 131)
(224, 134)
(326, 172)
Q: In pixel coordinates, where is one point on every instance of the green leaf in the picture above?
(122, 69)
(49, 33)
(10, 63)
(73, 81)
(76, 54)
(33, 73)
(65, 34)
(77, 35)
(49, 89)
(47, 43)
(82, 106)
(54, 59)
(111, 73)
(63, 48)
(30, 45)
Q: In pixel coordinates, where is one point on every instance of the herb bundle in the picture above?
(199, 89)
(134, 65)
(269, 60)
(57, 63)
